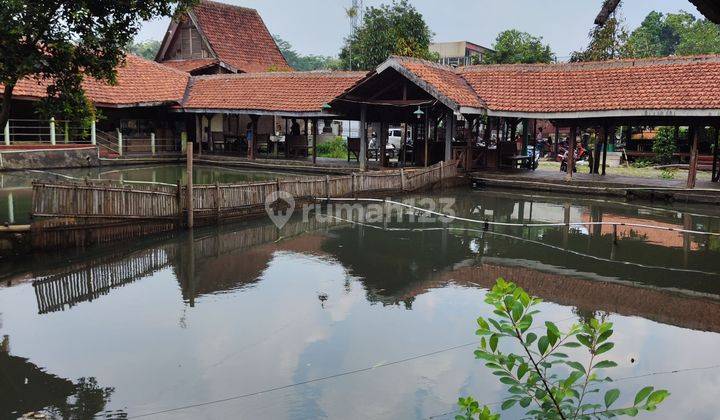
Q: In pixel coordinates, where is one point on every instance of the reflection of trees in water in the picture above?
(27, 388)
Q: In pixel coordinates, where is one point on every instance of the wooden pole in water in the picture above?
(190, 216)
(692, 174)
(606, 135)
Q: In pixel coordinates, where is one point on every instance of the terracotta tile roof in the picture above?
(139, 81)
(688, 83)
(239, 37)
(282, 91)
(191, 65)
(444, 79)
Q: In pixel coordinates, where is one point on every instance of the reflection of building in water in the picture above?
(654, 236)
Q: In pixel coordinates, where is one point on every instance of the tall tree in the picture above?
(513, 46)
(391, 29)
(607, 41)
(64, 41)
(145, 49)
(680, 33)
(305, 62)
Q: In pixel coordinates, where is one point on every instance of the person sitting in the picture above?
(295, 128)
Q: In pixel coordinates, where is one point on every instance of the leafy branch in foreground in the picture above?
(543, 379)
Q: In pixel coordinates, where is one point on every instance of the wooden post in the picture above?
(251, 141)
(314, 140)
(449, 120)
(363, 137)
(327, 188)
(716, 154)
(571, 153)
(93, 132)
(218, 197)
(557, 139)
(190, 206)
(120, 142)
(402, 179)
(427, 138)
(66, 132)
(605, 147)
(152, 143)
(352, 186)
(692, 173)
(178, 200)
(6, 133)
(52, 131)
(382, 138)
(525, 138)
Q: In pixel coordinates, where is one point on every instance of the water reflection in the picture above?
(246, 301)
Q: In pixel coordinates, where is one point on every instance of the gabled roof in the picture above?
(438, 80)
(297, 93)
(688, 86)
(139, 82)
(236, 36)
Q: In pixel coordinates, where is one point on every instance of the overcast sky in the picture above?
(319, 26)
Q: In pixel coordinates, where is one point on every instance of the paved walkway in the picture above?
(705, 191)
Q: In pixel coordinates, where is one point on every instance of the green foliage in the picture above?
(680, 33)
(664, 145)
(607, 42)
(544, 379)
(305, 62)
(668, 173)
(643, 163)
(391, 29)
(513, 46)
(66, 41)
(145, 49)
(336, 148)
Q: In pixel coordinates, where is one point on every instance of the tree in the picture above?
(544, 376)
(664, 145)
(513, 46)
(680, 33)
(607, 41)
(394, 29)
(305, 62)
(145, 49)
(64, 41)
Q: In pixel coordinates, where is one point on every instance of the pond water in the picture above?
(331, 319)
(16, 187)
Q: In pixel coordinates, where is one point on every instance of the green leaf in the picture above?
(508, 381)
(605, 364)
(577, 366)
(604, 348)
(479, 354)
(517, 310)
(632, 411)
(522, 370)
(530, 338)
(574, 376)
(525, 402)
(571, 345)
(493, 342)
(585, 340)
(657, 397)
(483, 324)
(642, 394)
(604, 336)
(483, 343)
(611, 396)
(508, 403)
(543, 344)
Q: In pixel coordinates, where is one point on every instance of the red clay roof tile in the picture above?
(239, 37)
(281, 91)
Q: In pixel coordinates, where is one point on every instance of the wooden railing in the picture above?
(124, 200)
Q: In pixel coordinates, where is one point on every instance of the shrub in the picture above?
(336, 148)
(544, 376)
(664, 145)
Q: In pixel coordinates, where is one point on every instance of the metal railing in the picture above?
(27, 131)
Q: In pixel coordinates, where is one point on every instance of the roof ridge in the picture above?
(594, 65)
(269, 74)
(156, 64)
(221, 4)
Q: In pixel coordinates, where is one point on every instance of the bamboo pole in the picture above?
(692, 174)
(190, 216)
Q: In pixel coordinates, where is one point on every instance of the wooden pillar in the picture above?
(427, 138)
(314, 140)
(692, 173)
(189, 191)
(474, 122)
(93, 132)
(6, 133)
(363, 137)
(403, 146)
(525, 136)
(499, 122)
(251, 141)
(606, 137)
(557, 140)
(571, 153)
(449, 123)
(597, 155)
(716, 155)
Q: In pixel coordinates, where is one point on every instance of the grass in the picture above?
(336, 148)
(645, 172)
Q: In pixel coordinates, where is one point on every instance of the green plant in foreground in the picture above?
(335, 148)
(544, 377)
